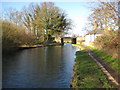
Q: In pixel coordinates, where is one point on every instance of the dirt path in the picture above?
(112, 75)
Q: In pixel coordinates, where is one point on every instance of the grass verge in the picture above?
(113, 62)
(87, 74)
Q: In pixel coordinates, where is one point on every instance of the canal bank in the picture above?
(38, 45)
(22, 47)
(86, 73)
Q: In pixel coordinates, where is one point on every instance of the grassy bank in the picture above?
(113, 62)
(87, 74)
(39, 45)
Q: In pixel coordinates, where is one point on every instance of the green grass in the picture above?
(113, 62)
(87, 74)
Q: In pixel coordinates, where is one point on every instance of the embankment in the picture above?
(39, 45)
(86, 73)
(22, 47)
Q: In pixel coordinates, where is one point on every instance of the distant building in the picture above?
(65, 39)
(80, 40)
(92, 35)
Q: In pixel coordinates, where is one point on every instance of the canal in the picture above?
(44, 67)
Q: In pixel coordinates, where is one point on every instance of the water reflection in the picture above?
(46, 67)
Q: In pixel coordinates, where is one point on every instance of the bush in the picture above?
(13, 36)
(108, 43)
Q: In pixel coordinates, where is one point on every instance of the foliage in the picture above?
(53, 20)
(104, 16)
(34, 24)
(106, 46)
(108, 43)
(45, 20)
(14, 36)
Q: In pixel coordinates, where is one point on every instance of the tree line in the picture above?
(105, 17)
(34, 24)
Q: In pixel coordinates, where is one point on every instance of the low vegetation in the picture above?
(106, 47)
(87, 74)
(113, 62)
(13, 36)
(108, 43)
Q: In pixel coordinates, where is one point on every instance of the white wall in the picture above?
(90, 38)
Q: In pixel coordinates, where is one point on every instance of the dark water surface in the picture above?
(45, 67)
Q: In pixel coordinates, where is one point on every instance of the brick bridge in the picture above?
(73, 40)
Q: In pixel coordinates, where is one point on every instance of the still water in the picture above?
(44, 67)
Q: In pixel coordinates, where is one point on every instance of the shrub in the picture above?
(13, 36)
(108, 43)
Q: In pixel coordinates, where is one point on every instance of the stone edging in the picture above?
(108, 75)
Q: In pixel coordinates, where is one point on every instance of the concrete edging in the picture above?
(109, 76)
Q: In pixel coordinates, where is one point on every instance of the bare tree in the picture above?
(105, 15)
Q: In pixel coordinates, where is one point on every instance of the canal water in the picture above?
(44, 67)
